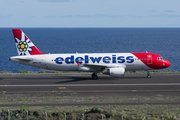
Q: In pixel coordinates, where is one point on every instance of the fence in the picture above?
(102, 116)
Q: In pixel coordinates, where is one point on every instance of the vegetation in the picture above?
(110, 112)
(60, 97)
(96, 110)
(52, 72)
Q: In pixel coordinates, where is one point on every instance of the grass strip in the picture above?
(51, 72)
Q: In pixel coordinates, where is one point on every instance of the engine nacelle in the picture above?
(116, 72)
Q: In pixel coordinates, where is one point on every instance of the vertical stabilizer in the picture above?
(24, 45)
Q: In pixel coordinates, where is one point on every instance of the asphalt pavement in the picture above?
(168, 84)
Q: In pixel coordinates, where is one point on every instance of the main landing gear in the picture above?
(148, 74)
(94, 76)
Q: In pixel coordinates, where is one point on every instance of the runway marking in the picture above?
(72, 85)
(134, 90)
(62, 87)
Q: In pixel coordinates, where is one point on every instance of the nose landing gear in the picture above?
(148, 74)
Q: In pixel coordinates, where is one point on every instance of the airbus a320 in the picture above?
(113, 64)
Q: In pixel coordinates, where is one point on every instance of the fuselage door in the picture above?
(149, 59)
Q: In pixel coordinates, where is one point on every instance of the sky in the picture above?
(90, 13)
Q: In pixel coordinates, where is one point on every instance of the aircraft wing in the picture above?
(101, 67)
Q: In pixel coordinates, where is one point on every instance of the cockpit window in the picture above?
(159, 58)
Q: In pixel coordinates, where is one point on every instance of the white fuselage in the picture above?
(74, 62)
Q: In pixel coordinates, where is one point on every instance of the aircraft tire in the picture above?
(148, 76)
(94, 76)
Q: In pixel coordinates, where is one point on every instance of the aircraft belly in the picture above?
(137, 66)
(63, 67)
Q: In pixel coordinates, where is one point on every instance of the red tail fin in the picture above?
(24, 45)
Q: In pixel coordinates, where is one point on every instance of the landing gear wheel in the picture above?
(148, 74)
(94, 76)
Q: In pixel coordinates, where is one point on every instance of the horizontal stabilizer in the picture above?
(20, 59)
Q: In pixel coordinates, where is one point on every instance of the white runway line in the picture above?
(81, 85)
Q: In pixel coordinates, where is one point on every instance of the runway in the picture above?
(128, 85)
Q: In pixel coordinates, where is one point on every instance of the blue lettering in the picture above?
(79, 59)
(113, 58)
(59, 60)
(106, 59)
(121, 59)
(130, 59)
(86, 59)
(70, 60)
(96, 59)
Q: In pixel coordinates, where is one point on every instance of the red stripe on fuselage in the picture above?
(150, 60)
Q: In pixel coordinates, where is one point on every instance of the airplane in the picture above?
(113, 64)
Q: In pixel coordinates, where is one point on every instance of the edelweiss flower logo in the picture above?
(24, 45)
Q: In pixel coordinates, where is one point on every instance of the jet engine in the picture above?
(116, 72)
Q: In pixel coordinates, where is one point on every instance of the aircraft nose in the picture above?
(166, 63)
